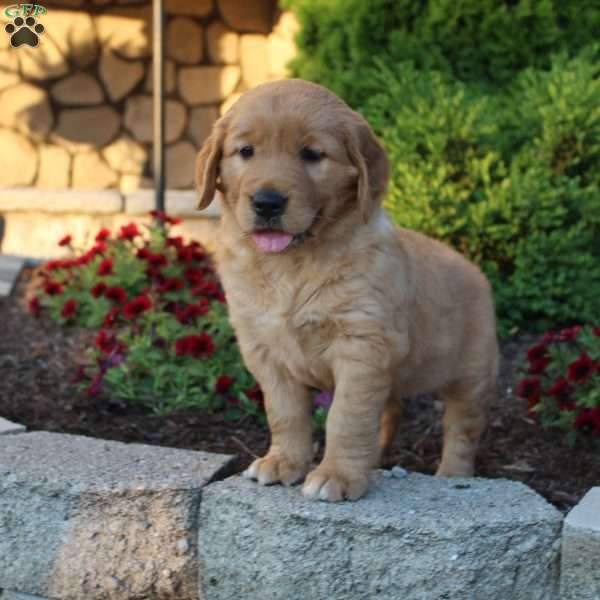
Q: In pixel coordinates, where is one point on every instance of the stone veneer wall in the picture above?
(76, 112)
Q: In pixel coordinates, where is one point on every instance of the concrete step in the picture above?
(10, 268)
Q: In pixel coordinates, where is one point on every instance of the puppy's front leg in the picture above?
(288, 405)
(352, 448)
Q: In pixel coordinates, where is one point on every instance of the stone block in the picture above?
(138, 118)
(242, 15)
(81, 129)
(19, 164)
(184, 41)
(119, 76)
(223, 44)
(170, 78)
(79, 88)
(179, 165)
(254, 59)
(580, 561)
(90, 171)
(45, 61)
(125, 155)
(415, 538)
(200, 123)
(55, 167)
(207, 85)
(9, 68)
(74, 35)
(127, 31)
(26, 107)
(86, 519)
(7, 427)
(197, 8)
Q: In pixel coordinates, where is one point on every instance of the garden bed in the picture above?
(39, 359)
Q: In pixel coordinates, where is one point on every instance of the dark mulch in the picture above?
(38, 361)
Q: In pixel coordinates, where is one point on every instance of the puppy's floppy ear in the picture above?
(207, 165)
(369, 157)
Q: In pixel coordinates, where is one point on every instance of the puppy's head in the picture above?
(291, 160)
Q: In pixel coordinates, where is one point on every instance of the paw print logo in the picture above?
(24, 31)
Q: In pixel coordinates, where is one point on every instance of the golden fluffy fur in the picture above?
(353, 304)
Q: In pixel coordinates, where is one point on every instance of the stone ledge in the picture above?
(60, 201)
(91, 519)
(8, 427)
(416, 538)
(102, 202)
(182, 203)
(580, 563)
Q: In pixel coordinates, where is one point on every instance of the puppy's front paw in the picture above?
(276, 468)
(329, 484)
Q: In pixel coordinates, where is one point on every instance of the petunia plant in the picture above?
(163, 336)
(561, 382)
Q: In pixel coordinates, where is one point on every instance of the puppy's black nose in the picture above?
(269, 203)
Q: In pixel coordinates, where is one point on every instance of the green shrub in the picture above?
(509, 178)
(473, 40)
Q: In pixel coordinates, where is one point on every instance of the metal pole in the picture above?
(158, 60)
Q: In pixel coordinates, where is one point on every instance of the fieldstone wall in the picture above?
(76, 111)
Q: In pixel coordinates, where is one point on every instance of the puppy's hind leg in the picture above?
(466, 407)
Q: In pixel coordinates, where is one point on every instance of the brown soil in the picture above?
(38, 360)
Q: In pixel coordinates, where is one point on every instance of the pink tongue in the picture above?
(272, 241)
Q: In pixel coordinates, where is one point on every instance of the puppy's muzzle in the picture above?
(269, 204)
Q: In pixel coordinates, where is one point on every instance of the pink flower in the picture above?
(323, 399)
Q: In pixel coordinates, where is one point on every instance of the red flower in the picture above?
(137, 307)
(100, 248)
(98, 290)
(157, 260)
(588, 420)
(256, 395)
(198, 346)
(194, 276)
(172, 284)
(539, 365)
(102, 235)
(105, 342)
(85, 258)
(69, 309)
(206, 288)
(529, 388)
(569, 334)
(159, 215)
(536, 352)
(111, 317)
(53, 265)
(175, 242)
(116, 294)
(581, 370)
(53, 288)
(224, 382)
(597, 331)
(106, 267)
(143, 253)
(129, 232)
(65, 241)
(187, 313)
(34, 307)
(561, 391)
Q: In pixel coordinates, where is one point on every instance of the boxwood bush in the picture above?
(494, 138)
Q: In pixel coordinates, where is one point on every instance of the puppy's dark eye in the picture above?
(310, 155)
(247, 152)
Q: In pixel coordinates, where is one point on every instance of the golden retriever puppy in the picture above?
(324, 292)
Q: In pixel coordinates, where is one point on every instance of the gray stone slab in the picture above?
(90, 519)
(413, 538)
(60, 201)
(8, 595)
(580, 562)
(10, 267)
(8, 427)
(178, 202)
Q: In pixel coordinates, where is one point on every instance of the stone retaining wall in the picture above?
(88, 519)
(76, 111)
